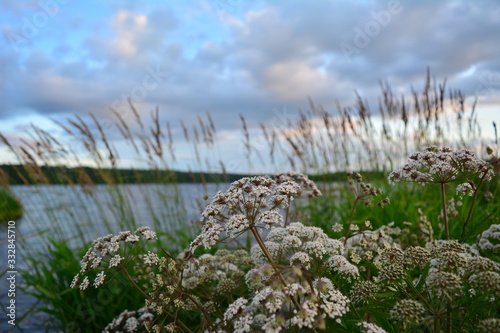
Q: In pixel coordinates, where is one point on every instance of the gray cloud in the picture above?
(272, 58)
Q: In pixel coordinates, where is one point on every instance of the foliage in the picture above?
(10, 207)
(71, 310)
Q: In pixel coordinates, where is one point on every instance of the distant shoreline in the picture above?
(59, 175)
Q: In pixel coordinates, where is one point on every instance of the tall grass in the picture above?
(358, 138)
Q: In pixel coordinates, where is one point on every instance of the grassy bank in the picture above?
(10, 207)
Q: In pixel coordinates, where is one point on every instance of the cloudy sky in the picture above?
(231, 57)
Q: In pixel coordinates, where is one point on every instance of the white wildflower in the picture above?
(291, 242)
(85, 283)
(301, 258)
(294, 288)
(151, 258)
(236, 224)
(333, 246)
(340, 264)
(273, 324)
(337, 227)
(464, 189)
(131, 324)
(354, 227)
(407, 310)
(132, 239)
(96, 262)
(271, 218)
(115, 261)
(306, 316)
(75, 281)
(334, 304)
(99, 279)
(277, 234)
(234, 308)
(242, 324)
(370, 328)
(314, 248)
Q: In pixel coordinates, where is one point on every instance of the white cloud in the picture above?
(293, 80)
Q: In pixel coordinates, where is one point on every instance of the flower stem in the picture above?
(287, 211)
(271, 261)
(448, 318)
(178, 322)
(350, 220)
(410, 285)
(469, 215)
(445, 213)
(437, 325)
(135, 284)
(267, 254)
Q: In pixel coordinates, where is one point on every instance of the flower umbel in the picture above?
(248, 203)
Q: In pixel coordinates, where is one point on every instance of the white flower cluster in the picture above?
(104, 253)
(298, 244)
(455, 267)
(131, 321)
(489, 325)
(343, 267)
(370, 328)
(489, 239)
(222, 267)
(269, 307)
(369, 242)
(442, 165)
(451, 209)
(407, 310)
(250, 202)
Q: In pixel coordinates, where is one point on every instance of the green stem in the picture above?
(178, 322)
(271, 261)
(448, 318)
(437, 325)
(409, 283)
(350, 220)
(287, 210)
(445, 213)
(267, 254)
(183, 326)
(135, 284)
(199, 306)
(469, 215)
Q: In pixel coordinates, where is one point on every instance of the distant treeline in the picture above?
(34, 174)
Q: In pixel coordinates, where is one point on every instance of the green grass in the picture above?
(406, 201)
(10, 207)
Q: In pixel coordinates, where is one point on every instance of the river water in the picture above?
(78, 215)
